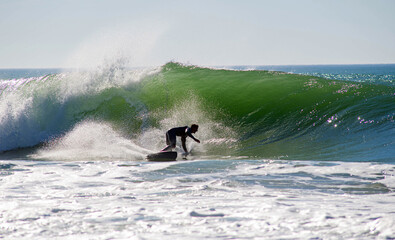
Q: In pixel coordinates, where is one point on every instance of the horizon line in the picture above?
(204, 65)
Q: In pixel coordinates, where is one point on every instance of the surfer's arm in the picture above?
(191, 136)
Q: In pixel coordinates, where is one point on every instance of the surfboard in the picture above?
(162, 156)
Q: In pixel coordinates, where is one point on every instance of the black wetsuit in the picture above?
(182, 132)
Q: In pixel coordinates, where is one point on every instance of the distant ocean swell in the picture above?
(253, 114)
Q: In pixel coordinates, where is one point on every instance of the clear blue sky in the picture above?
(75, 33)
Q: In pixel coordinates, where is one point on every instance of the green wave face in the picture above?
(278, 115)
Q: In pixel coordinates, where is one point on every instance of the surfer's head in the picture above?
(194, 128)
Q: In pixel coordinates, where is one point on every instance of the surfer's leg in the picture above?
(170, 141)
(168, 147)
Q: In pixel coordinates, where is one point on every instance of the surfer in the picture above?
(182, 132)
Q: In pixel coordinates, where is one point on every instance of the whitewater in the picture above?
(287, 152)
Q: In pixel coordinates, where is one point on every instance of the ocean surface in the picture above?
(286, 152)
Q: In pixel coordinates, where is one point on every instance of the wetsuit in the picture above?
(182, 132)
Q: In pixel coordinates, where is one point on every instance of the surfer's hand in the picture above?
(197, 140)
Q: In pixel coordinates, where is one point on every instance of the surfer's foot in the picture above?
(166, 150)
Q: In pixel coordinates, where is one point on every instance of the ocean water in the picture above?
(287, 152)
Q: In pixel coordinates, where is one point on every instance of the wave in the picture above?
(251, 113)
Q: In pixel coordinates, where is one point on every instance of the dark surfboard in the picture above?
(162, 156)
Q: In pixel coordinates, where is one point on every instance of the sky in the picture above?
(83, 33)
